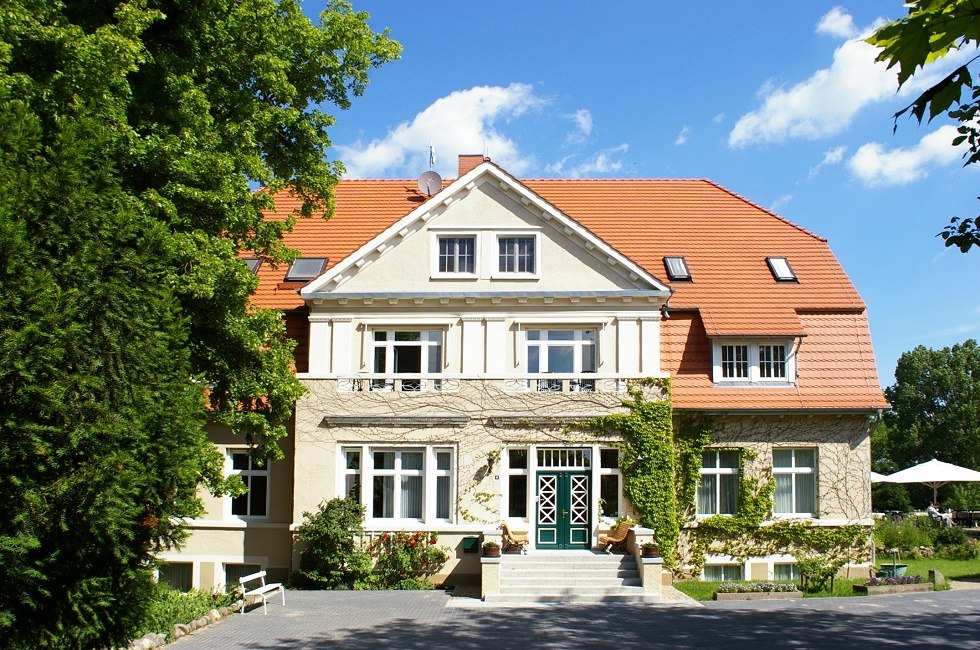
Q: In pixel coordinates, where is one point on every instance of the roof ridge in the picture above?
(766, 210)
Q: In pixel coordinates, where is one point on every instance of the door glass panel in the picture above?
(561, 359)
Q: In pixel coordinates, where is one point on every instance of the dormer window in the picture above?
(739, 363)
(677, 268)
(305, 269)
(780, 269)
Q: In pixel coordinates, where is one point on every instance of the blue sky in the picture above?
(778, 101)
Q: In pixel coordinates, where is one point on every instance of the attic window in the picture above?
(677, 268)
(780, 269)
(253, 263)
(305, 268)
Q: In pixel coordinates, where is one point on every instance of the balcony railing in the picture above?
(537, 383)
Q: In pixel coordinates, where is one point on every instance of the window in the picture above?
(457, 255)
(795, 472)
(177, 575)
(305, 269)
(748, 362)
(780, 269)
(517, 483)
(406, 352)
(785, 572)
(735, 361)
(677, 268)
(609, 478)
(254, 502)
(569, 352)
(718, 490)
(516, 255)
(400, 483)
(233, 572)
(253, 263)
(772, 362)
(723, 572)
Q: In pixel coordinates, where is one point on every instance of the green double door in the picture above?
(563, 510)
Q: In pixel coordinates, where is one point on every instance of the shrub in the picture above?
(333, 558)
(168, 607)
(951, 536)
(906, 535)
(405, 560)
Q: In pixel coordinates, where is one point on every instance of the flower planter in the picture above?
(880, 590)
(491, 551)
(759, 595)
(650, 552)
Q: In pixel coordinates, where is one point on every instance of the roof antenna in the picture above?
(430, 182)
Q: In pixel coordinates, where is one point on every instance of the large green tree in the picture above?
(132, 135)
(935, 410)
(931, 30)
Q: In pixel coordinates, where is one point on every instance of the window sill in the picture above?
(454, 276)
(753, 384)
(515, 276)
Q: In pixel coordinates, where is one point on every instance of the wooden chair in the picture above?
(512, 539)
(616, 537)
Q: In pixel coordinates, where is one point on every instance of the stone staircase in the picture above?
(569, 577)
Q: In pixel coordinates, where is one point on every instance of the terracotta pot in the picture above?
(650, 552)
(493, 551)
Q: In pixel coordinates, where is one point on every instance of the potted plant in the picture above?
(491, 549)
(650, 549)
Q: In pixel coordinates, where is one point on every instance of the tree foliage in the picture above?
(931, 30)
(935, 407)
(131, 136)
(332, 557)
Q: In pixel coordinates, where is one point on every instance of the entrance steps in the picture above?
(569, 577)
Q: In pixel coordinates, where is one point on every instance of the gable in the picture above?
(484, 208)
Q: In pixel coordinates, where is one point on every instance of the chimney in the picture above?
(469, 162)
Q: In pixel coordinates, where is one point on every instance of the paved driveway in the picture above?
(434, 620)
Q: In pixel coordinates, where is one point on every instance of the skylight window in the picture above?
(305, 268)
(677, 268)
(253, 263)
(780, 269)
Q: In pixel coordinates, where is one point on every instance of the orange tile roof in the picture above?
(724, 239)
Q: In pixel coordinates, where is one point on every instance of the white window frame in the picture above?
(247, 474)
(430, 474)
(610, 471)
(795, 471)
(428, 339)
(740, 568)
(755, 362)
(718, 471)
(578, 343)
(436, 257)
(525, 471)
(517, 275)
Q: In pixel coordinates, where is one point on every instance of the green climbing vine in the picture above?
(647, 461)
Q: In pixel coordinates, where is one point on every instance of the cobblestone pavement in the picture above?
(434, 620)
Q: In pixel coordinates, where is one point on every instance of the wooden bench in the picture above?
(262, 591)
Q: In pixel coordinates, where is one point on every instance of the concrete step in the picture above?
(575, 576)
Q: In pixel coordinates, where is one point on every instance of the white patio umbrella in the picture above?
(935, 474)
(878, 478)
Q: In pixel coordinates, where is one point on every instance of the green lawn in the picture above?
(952, 569)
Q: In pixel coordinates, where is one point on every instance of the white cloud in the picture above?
(837, 22)
(830, 157)
(583, 120)
(878, 167)
(778, 204)
(827, 102)
(682, 136)
(603, 162)
(462, 122)
(719, 118)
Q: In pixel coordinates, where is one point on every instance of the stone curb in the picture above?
(155, 640)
